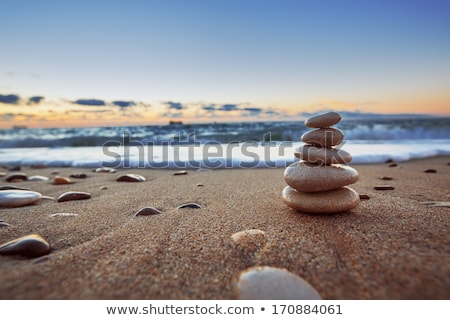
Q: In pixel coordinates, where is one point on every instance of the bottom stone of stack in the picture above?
(331, 201)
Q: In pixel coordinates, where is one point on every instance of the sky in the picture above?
(108, 62)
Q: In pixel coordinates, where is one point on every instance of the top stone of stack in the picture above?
(323, 120)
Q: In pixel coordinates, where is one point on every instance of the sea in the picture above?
(219, 145)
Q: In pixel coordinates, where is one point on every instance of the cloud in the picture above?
(253, 111)
(89, 102)
(209, 107)
(228, 107)
(7, 116)
(9, 98)
(123, 104)
(174, 105)
(35, 99)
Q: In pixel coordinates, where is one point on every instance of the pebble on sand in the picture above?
(37, 178)
(190, 205)
(179, 173)
(61, 180)
(387, 178)
(105, 169)
(18, 198)
(364, 196)
(250, 240)
(16, 177)
(63, 214)
(32, 246)
(131, 177)
(147, 211)
(430, 171)
(78, 175)
(4, 224)
(269, 283)
(384, 187)
(74, 195)
(12, 187)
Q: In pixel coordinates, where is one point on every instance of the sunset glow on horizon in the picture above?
(112, 63)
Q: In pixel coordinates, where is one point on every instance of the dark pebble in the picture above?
(78, 175)
(179, 173)
(74, 195)
(31, 245)
(430, 171)
(386, 187)
(131, 178)
(147, 211)
(364, 196)
(190, 205)
(11, 187)
(389, 160)
(393, 165)
(387, 178)
(16, 177)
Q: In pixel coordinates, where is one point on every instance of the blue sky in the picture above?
(277, 58)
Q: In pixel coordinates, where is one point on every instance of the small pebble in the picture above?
(130, 177)
(387, 178)
(385, 187)
(200, 185)
(4, 224)
(269, 283)
(190, 205)
(54, 172)
(32, 245)
(2, 174)
(78, 175)
(63, 214)
(393, 165)
(103, 188)
(61, 180)
(389, 160)
(179, 173)
(74, 195)
(38, 178)
(147, 211)
(437, 204)
(364, 196)
(14, 168)
(104, 169)
(430, 171)
(16, 177)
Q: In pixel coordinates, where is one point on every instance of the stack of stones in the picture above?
(318, 182)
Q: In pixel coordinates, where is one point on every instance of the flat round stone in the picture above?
(322, 156)
(32, 245)
(307, 177)
(323, 120)
(18, 198)
(269, 283)
(325, 137)
(147, 211)
(332, 201)
(37, 178)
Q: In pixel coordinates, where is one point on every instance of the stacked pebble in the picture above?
(318, 182)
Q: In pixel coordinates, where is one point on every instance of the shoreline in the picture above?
(394, 245)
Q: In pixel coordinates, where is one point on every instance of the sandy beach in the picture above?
(395, 245)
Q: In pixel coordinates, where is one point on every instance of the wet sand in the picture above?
(394, 245)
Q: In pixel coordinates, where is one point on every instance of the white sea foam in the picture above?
(233, 155)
